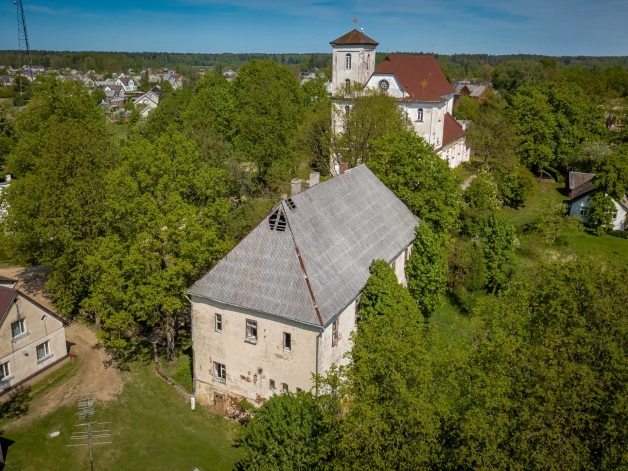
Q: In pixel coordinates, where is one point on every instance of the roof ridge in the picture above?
(302, 264)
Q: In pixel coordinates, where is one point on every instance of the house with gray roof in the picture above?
(282, 304)
(579, 187)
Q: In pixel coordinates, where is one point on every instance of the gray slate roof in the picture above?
(575, 179)
(336, 230)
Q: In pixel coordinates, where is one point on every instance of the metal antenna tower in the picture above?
(95, 431)
(22, 39)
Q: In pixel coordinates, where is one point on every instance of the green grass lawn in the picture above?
(152, 428)
(546, 194)
(121, 131)
(179, 370)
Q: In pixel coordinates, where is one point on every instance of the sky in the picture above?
(549, 27)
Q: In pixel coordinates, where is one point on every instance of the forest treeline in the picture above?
(458, 66)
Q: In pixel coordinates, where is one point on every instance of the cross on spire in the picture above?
(355, 22)
(424, 83)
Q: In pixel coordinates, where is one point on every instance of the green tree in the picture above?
(98, 95)
(167, 213)
(467, 108)
(285, 433)
(426, 270)
(535, 126)
(7, 132)
(367, 116)
(145, 84)
(510, 76)
(612, 173)
(544, 384)
(392, 418)
(601, 210)
(411, 169)
(269, 103)
(514, 185)
(497, 238)
(483, 192)
(314, 138)
(57, 199)
(212, 107)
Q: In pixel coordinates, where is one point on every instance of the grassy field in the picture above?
(152, 428)
(180, 371)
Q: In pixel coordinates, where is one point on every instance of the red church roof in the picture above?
(420, 76)
(354, 37)
(452, 130)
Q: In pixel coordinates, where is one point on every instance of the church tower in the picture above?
(353, 60)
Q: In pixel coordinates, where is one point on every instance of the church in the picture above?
(415, 81)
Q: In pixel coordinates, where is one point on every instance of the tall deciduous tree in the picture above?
(497, 237)
(426, 270)
(545, 382)
(600, 215)
(57, 200)
(612, 173)
(392, 419)
(407, 165)
(167, 213)
(510, 76)
(366, 116)
(269, 103)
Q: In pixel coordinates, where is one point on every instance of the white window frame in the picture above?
(584, 210)
(24, 332)
(46, 348)
(383, 84)
(287, 346)
(251, 331)
(348, 61)
(218, 322)
(220, 372)
(419, 114)
(5, 372)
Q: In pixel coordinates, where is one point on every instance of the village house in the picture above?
(32, 340)
(472, 90)
(282, 304)
(148, 101)
(127, 83)
(416, 82)
(579, 187)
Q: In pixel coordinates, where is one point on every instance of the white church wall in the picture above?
(394, 88)
(362, 65)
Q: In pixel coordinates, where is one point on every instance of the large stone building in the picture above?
(282, 304)
(415, 81)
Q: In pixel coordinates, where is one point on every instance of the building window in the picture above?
(334, 333)
(287, 341)
(4, 371)
(348, 62)
(251, 331)
(18, 328)
(347, 109)
(383, 84)
(284, 387)
(218, 322)
(407, 254)
(419, 116)
(220, 372)
(583, 210)
(368, 61)
(393, 265)
(43, 351)
(614, 216)
(271, 384)
(299, 390)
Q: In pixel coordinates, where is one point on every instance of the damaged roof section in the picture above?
(314, 268)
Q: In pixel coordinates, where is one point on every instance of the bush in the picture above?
(483, 193)
(514, 186)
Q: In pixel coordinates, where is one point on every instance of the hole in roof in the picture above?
(291, 204)
(277, 221)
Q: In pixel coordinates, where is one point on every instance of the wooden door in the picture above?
(219, 403)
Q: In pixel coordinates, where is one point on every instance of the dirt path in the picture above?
(90, 377)
(467, 182)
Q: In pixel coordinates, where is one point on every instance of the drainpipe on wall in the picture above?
(193, 351)
(317, 342)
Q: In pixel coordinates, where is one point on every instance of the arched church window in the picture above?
(348, 62)
(420, 114)
(383, 84)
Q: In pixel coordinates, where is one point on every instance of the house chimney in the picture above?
(344, 166)
(296, 186)
(315, 178)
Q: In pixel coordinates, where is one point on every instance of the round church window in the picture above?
(383, 84)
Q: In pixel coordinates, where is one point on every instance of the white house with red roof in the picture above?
(415, 81)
